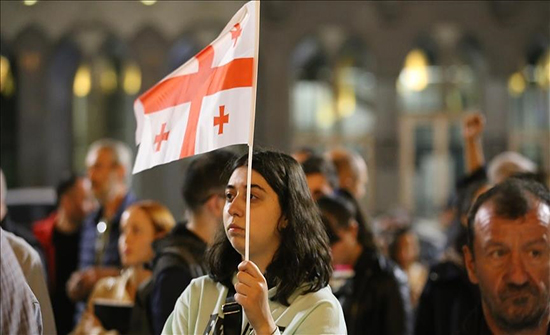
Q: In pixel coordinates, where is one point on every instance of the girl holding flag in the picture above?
(283, 288)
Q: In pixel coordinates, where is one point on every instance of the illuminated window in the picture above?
(332, 98)
(529, 119)
(433, 93)
(8, 117)
(105, 86)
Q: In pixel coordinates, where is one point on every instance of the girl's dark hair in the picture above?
(303, 258)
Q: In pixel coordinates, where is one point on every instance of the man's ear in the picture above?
(215, 205)
(121, 172)
(469, 262)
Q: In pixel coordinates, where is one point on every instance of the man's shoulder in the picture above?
(179, 248)
(177, 259)
(447, 274)
(26, 255)
(20, 246)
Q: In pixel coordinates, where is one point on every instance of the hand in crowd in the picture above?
(253, 297)
(473, 126)
(81, 283)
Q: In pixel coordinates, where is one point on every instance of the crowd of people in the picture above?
(105, 262)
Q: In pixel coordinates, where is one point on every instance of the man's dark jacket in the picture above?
(446, 301)
(376, 300)
(179, 259)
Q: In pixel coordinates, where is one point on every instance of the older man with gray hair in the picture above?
(108, 164)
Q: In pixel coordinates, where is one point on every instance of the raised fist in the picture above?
(473, 125)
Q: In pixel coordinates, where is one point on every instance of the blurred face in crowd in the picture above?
(511, 264)
(104, 173)
(77, 202)
(345, 247)
(360, 187)
(355, 181)
(318, 185)
(301, 155)
(137, 233)
(265, 215)
(407, 250)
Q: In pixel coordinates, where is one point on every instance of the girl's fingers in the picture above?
(251, 268)
(245, 278)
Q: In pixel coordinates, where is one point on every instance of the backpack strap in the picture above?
(177, 254)
(232, 314)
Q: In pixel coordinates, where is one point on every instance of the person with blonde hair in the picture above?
(141, 224)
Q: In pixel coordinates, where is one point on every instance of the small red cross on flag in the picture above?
(222, 77)
(163, 136)
(235, 33)
(221, 120)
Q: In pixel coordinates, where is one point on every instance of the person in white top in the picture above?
(283, 288)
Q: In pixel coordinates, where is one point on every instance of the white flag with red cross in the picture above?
(207, 103)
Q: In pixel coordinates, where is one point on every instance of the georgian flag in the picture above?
(205, 104)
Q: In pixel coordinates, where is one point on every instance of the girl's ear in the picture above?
(283, 222)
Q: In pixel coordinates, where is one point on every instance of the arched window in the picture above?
(8, 115)
(431, 83)
(62, 68)
(529, 119)
(104, 88)
(312, 95)
(31, 48)
(418, 85)
(436, 86)
(332, 97)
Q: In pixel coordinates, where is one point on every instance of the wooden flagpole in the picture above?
(251, 132)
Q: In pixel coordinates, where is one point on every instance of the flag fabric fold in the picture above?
(205, 104)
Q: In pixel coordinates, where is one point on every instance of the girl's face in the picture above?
(136, 236)
(265, 215)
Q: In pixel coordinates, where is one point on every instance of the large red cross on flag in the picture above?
(207, 103)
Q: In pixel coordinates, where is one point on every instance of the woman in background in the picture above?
(141, 224)
(405, 251)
